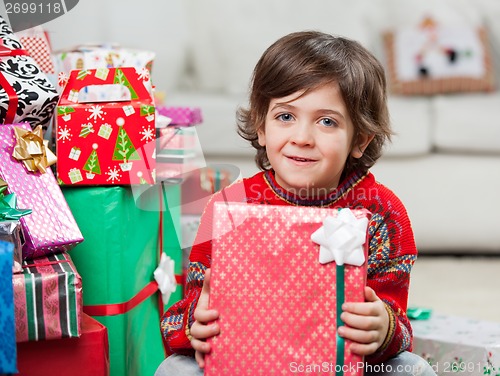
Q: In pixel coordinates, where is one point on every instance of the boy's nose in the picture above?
(302, 134)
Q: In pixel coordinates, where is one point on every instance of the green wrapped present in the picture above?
(122, 246)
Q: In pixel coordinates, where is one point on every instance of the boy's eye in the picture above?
(285, 117)
(327, 122)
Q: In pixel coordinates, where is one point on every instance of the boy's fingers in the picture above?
(363, 349)
(359, 336)
(205, 315)
(366, 308)
(206, 281)
(362, 308)
(202, 313)
(201, 331)
(200, 346)
(200, 359)
(370, 295)
(362, 322)
(205, 291)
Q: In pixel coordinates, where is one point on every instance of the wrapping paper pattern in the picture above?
(7, 325)
(121, 229)
(48, 299)
(88, 355)
(276, 301)
(453, 344)
(101, 56)
(51, 227)
(182, 116)
(106, 143)
(36, 43)
(23, 81)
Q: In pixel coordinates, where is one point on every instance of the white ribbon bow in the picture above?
(341, 239)
(165, 277)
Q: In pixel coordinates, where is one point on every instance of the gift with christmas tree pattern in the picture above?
(108, 141)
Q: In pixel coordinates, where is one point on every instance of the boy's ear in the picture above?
(360, 146)
(262, 137)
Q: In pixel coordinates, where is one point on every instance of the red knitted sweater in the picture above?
(392, 252)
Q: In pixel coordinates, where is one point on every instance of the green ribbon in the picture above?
(8, 209)
(340, 300)
(217, 180)
(416, 313)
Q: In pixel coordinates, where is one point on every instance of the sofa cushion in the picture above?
(411, 122)
(433, 188)
(467, 123)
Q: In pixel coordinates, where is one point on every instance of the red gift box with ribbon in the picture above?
(106, 128)
(83, 356)
(26, 94)
(280, 275)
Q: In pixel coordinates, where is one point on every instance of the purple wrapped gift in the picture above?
(51, 227)
(185, 116)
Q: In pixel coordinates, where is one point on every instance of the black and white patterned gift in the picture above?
(26, 94)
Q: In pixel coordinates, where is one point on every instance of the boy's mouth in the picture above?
(300, 159)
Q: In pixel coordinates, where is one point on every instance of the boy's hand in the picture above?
(201, 330)
(366, 322)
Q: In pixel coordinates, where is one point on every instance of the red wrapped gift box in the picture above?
(279, 293)
(106, 128)
(84, 356)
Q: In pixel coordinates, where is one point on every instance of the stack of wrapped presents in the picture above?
(90, 243)
(99, 181)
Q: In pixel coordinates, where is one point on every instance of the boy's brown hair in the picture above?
(307, 60)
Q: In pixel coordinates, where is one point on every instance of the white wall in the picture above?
(158, 26)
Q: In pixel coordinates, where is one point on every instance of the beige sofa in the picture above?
(444, 161)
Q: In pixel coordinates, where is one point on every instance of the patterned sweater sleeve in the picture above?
(177, 320)
(392, 252)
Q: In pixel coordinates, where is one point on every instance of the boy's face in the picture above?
(308, 139)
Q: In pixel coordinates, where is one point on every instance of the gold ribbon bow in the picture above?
(32, 149)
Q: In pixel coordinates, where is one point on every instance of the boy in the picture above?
(318, 119)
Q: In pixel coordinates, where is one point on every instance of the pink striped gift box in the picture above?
(47, 299)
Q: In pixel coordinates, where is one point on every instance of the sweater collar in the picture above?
(345, 186)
